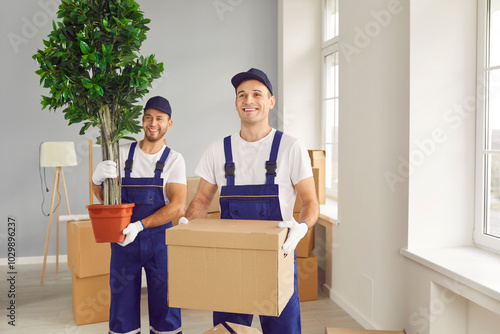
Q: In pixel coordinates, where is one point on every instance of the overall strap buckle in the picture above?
(129, 164)
(160, 166)
(229, 168)
(271, 168)
(130, 159)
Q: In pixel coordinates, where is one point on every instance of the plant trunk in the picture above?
(110, 151)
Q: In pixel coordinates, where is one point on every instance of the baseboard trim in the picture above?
(352, 311)
(35, 260)
(63, 259)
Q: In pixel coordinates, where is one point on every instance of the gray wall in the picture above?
(201, 46)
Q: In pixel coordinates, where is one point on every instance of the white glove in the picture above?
(296, 232)
(183, 220)
(131, 231)
(105, 170)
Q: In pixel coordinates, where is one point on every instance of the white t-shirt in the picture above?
(145, 164)
(293, 165)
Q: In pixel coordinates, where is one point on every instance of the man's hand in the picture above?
(296, 231)
(183, 220)
(131, 231)
(105, 170)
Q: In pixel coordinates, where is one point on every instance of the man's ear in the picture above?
(273, 102)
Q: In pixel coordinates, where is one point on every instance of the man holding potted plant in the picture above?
(154, 178)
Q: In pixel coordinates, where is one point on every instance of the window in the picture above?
(487, 227)
(330, 95)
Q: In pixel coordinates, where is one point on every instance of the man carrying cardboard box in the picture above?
(259, 171)
(155, 180)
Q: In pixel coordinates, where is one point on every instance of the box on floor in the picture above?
(236, 329)
(230, 266)
(359, 331)
(89, 263)
(91, 299)
(307, 272)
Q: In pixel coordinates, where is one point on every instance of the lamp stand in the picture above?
(55, 189)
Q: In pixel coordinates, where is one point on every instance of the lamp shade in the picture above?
(57, 154)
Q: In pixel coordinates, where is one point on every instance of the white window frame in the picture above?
(482, 239)
(329, 47)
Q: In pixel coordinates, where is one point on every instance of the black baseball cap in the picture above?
(252, 74)
(159, 103)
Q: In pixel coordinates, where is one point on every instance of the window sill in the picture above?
(473, 267)
(328, 212)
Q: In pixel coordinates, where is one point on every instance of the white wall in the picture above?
(404, 78)
(442, 118)
(368, 272)
(300, 69)
(201, 46)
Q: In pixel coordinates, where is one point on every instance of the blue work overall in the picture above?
(259, 202)
(148, 250)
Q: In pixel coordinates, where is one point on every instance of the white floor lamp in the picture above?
(58, 155)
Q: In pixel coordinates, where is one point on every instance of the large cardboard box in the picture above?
(307, 243)
(230, 266)
(91, 299)
(85, 256)
(307, 272)
(318, 159)
(236, 329)
(359, 331)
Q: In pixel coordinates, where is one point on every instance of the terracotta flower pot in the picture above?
(108, 221)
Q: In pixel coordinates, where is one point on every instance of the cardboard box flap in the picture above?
(228, 233)
(236, 329)
(241, 329)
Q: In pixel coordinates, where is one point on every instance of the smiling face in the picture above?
(155, 124)
(253, 102)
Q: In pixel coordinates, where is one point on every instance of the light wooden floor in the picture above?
(47, 308)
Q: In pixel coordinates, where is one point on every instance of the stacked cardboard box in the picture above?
(192, 187)
(89, 263)
(318, 160)
(307, 263)
(229, 265)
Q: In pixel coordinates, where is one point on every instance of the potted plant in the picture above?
(93, 70)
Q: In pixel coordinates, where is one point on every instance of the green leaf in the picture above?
(99, 90)
(87, 83)
(84, 47)
(84, 128)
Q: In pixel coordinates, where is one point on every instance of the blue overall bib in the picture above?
(148, 250)
(259, 202)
